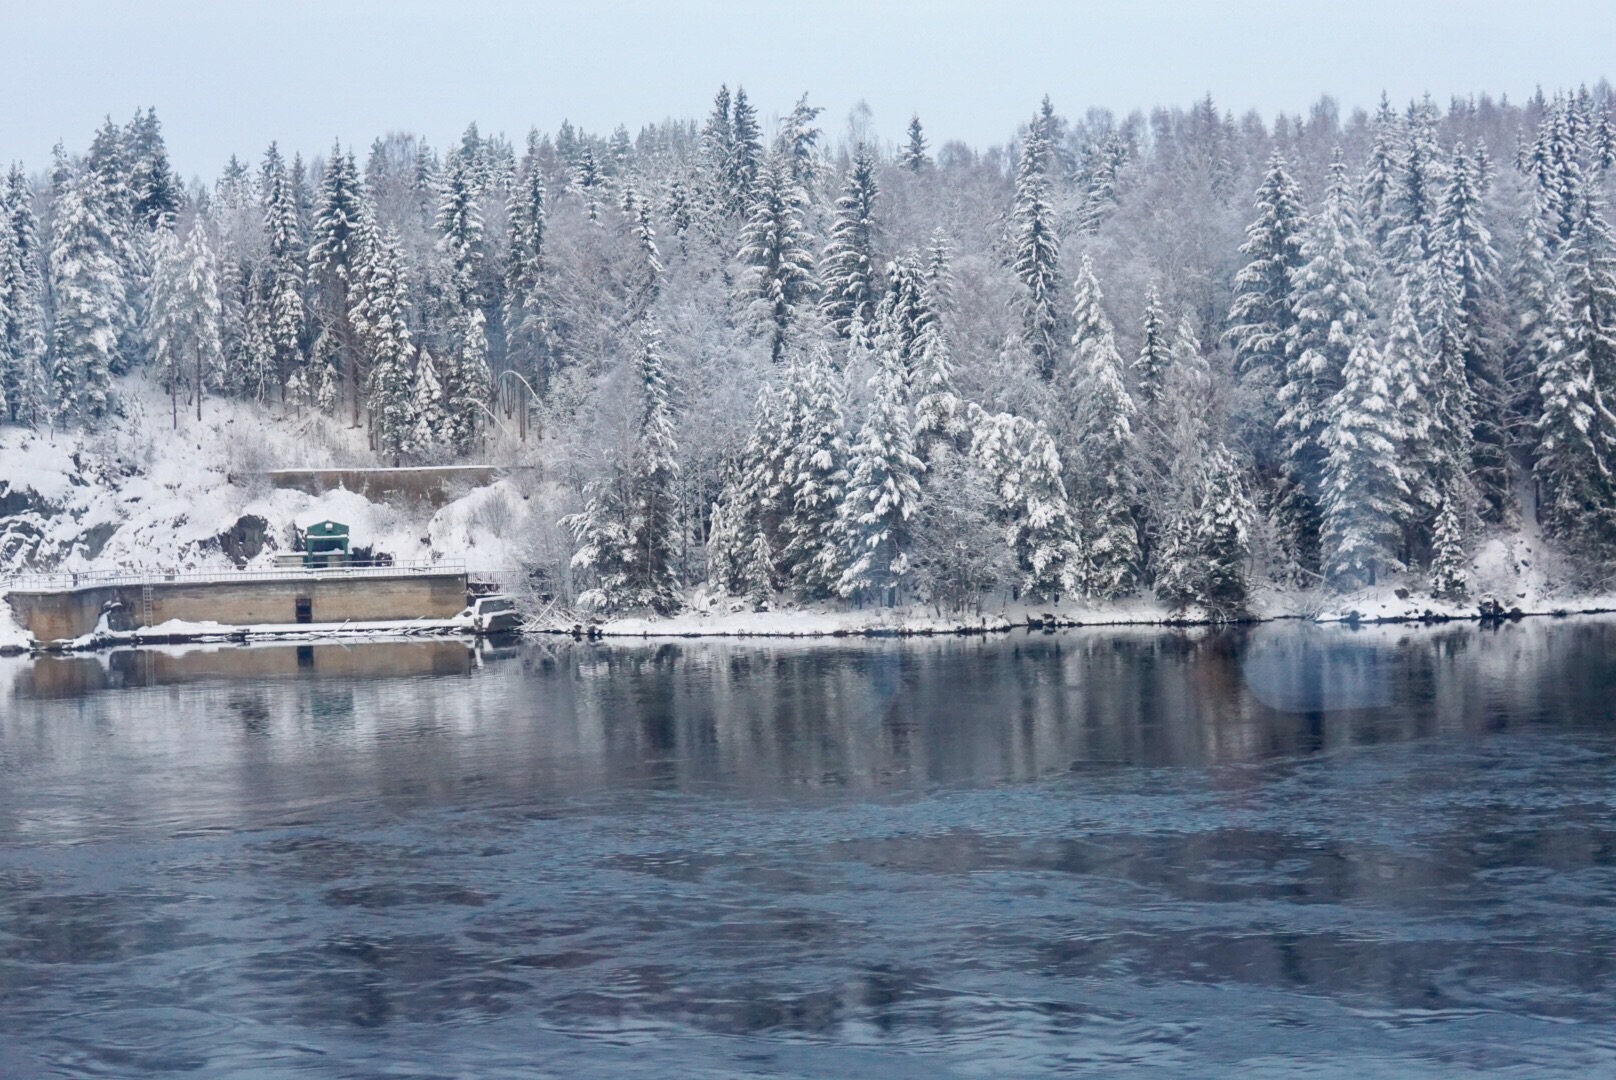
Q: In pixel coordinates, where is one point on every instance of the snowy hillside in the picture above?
(140, 494)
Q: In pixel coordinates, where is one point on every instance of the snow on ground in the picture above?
(143, 495)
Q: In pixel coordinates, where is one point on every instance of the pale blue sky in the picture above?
(230, 75)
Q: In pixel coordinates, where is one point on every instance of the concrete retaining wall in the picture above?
(71, 613)
(433, 485)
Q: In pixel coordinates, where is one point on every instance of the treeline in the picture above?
(792, 366)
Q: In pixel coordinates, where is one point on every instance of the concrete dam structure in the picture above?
(62, 609)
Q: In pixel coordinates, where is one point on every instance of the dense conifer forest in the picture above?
(1185, 353)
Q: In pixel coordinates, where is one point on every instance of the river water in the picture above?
(1268, 851)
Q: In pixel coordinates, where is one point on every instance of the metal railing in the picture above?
(93, 579)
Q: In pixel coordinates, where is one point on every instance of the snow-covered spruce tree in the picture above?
(938, 409)
(1575, 464)
(940, 270)
(1206, 540)
(283, 269)
(913, 156)
(1263, 313)
(816, 471)
(799, 142)
(850, 273)
(1155, 351)
(185, 313)
(717, 151)
(527, 300)
(757, 500)
(746, 154)
(627, 535)
(381, 316)
(1103, 430)
(1465, 244)
(883, 488)
(336, 256)
(1590, 278)
(907, 319)
(1416, 199)
(87, 287)
(588, 180)
(1023, 465)
(1103, 163)
(426, 404)
(777, 250)
(1377, 189)
(157, 193)
(957, 554)
(1036, 252)
(463, 354)
(1331, 305)
(1534, 278)
(113, 208)
(1365, 497)
(22, 314)
(1447, 579)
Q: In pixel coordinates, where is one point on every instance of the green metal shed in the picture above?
(325, 543)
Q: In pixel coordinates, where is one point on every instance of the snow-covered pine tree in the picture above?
(87, 286)
(849, 269)
(938, 409)
(1103, 163)
(1377, 190)
(1023, 465)
(588, 180)
(22, 314)
(627, 533)
(1447, 579)
(1575, 464)
(1206, 538)
(799, 142)
(283, 273)
(777, 249)
(426, 404)
(816, 472)
(1331, 305)
(1036, 251)
(913, 156)
(757, 499)
(1534, 278)
(113, 202)
(1263, 313)
(185, 313)
(940, 270)
(1465, 244)
(1365, 496)
(746, 154)
(1155, 351)
(336, 257)
(463, 354)
(381, 316)
(717, 152)
(527, 299)
(1415, 208)
(883, 489)
(1103, 429)
(906, 319)
(157, 193)
(1590, 277)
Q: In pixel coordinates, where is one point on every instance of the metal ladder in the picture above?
(145, 604)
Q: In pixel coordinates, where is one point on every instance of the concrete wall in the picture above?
(58, 616)
(432, 485)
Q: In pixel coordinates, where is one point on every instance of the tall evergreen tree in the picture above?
(1331, 306)
(381, 316)
(157, 193)
(913, 156)
(1155, 351)
(463, 352)
(816, 470)
(746, 154)
(627, 534)
(87, 285)
(185, 333)
(777, 249)
(1262, 316)
(883, 488)
(1105, 442)
(336, 258)
(1036, 251)
(1365, 497)
(22, 315)
(529, 341)
(850, 272)
(283, 270)
(1378, 190)
(1575, 463)
(1023, 465)
(1412, 241)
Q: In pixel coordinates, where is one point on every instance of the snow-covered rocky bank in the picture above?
(140, 495)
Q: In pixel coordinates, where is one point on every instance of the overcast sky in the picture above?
(227, 76)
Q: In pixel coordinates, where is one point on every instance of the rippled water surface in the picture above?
(1271, 851)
